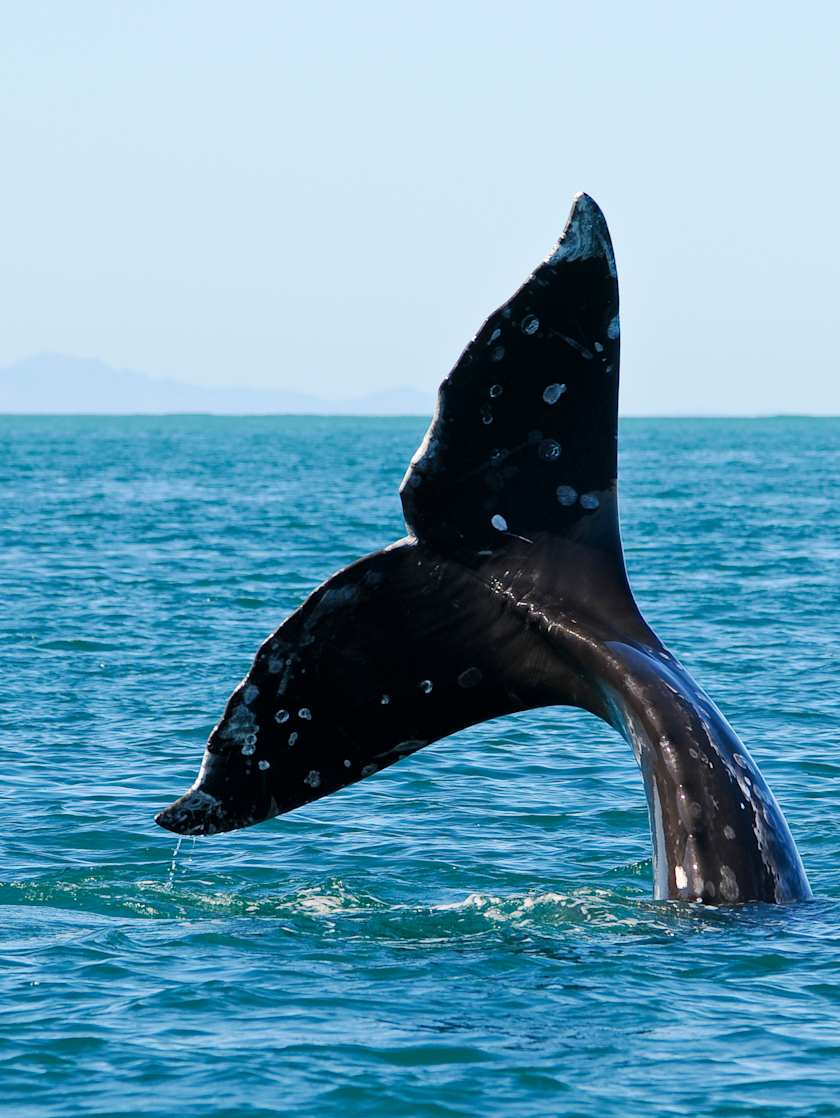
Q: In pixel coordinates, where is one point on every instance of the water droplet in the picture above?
(172, 864)
(553, 392)
(589, 501)
(566, 495)
(499, 523)
(530, 324)
(549, 450)
(281, 716)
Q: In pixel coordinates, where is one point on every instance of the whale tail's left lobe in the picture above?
(394, 652)
(511, 506)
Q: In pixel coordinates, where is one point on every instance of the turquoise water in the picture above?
(467, 933)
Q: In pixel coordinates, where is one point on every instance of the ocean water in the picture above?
(468, 933)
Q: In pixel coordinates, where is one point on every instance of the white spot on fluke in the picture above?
(496, 390)
(553, 392)
(614, 329)
(498, 353)
(368, 770)
(425, 686)
(313, 779)
(599, 348)
(385, 700)
(575, 345)
(293, 737)
(305, 713)
(281, 716)
(549, 450)
(240, 726)
(589, 501)
(680, 877)
(530, 324)
(263, 765)
(347, 764)
(729, 832)
(248, 749)
(251, 692)
(566, 495)
(496, 334)
(499, 523)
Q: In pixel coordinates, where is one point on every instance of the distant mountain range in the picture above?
(53, 383)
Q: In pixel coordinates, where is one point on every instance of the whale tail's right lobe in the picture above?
(509, 593)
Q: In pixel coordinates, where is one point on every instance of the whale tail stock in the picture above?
(509, 593)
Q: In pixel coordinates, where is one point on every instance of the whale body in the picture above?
(509, 592)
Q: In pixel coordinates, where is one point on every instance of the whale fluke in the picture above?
(509, 593)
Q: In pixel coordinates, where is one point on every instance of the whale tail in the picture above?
(510, 592)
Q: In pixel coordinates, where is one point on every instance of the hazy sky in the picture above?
(332, 197)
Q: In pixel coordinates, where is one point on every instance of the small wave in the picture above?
(361, 914)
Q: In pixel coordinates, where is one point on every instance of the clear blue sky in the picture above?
(331, 197)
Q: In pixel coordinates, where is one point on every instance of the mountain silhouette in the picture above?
(52, 383)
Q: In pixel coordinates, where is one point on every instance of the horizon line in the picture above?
(375, 415)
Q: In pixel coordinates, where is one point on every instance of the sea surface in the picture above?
(469, 933)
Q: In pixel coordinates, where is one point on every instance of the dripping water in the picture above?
(171, 879)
